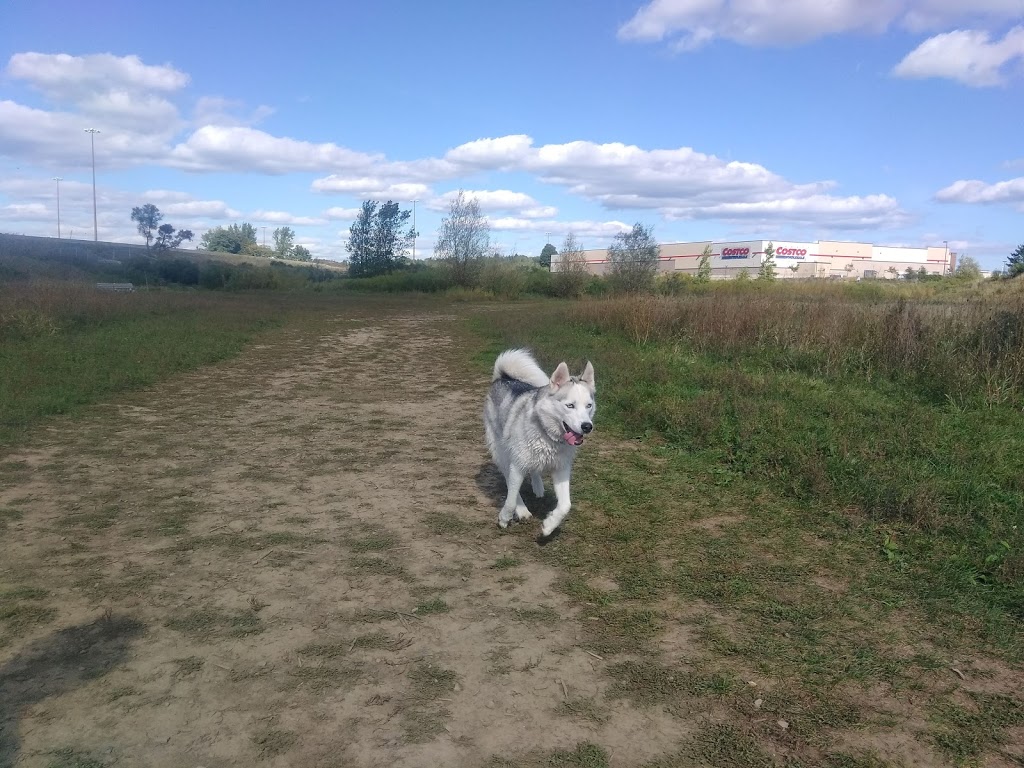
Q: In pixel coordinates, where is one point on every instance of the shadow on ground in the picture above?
(491, 483)
(56, 664)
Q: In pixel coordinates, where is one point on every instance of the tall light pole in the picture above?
(58, 179)
(945, 257)
(264, 236)
(92, 141)
(414, 233)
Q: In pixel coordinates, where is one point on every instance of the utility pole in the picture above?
(58, 179)
(92, 141)
(945, 257)
(264, 236)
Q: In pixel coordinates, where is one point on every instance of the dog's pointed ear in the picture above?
(561, 376)
(588, 376)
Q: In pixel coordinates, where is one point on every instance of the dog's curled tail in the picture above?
(519, 364)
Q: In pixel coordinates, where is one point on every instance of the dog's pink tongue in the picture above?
(572, 438)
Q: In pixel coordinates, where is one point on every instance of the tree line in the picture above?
(241, 238)
(380, 241)
(235, 238)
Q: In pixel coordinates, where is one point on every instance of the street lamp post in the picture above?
(945, 257)
(414, 232)
(264, 236)
(58, 179)
(92, 141)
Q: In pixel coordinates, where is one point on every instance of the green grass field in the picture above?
(64, 345)
(837, 525)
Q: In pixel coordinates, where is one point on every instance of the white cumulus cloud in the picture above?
(66, 77)
(680, 183)
(201, 209)
(372, 187)
(116, 90)
(25, 211)
(689, 24)
(338, 213)
(239, 148)
(968, 56)
(215, 110)
(558, 229)
(973, 191)
(498, 200)
(283, 217)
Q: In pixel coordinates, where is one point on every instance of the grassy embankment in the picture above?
(821, 486)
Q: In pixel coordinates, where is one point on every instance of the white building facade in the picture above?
(833, 259)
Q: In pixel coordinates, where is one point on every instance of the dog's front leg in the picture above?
(561, 481)
(514, 479)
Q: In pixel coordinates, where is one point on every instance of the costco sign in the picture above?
(735, 253)
(791, 253)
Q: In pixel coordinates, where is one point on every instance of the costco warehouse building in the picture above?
(821, 259)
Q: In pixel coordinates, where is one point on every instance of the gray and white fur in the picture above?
(534, 425)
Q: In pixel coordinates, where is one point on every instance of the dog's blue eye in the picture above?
(570, 405)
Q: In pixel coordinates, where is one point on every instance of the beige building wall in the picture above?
(834, 259)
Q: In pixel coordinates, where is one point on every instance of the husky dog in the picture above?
(534, 424)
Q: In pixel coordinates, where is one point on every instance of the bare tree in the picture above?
(463, 239)
(572, 275)
(633, 258)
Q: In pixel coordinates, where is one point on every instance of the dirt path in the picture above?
(292, 559)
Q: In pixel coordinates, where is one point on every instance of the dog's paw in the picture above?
(503, 524)
(547, 529)
(522, 514)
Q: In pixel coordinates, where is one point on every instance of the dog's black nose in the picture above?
(587, 427)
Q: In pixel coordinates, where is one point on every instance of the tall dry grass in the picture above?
(961, 348)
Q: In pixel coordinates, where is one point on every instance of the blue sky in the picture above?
(889, 121)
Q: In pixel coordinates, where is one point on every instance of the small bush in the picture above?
(503, 280)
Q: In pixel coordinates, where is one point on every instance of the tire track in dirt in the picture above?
(308, 534)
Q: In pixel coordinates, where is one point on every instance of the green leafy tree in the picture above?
(910, 274)
(360, 241)
(744, 275)
(233, 239)
(301, 253)
(463, 239)
(392, 237)
(633, 260)
(219, 239)
(168, 238)
(968, 269)
(378, 242)
(284, 241)
(704, 265)
(148, 218)
(246, 232)
(545, 255)
(767, 270)
(1015, 264)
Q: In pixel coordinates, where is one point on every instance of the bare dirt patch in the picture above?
(290, 560)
